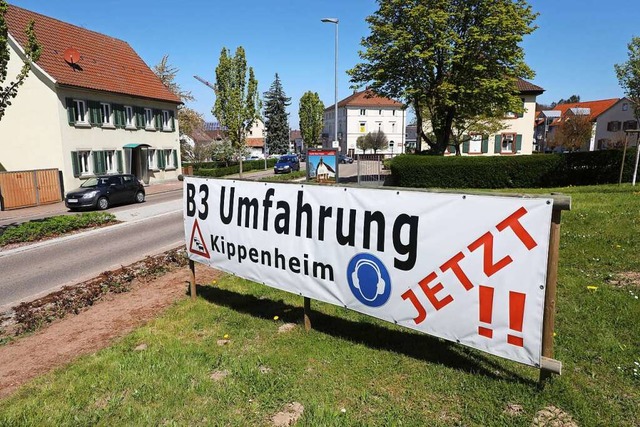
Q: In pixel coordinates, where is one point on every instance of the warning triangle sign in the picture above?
(197, 245)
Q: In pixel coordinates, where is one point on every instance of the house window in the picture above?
(148, 119)
(110, 164)
(379, 126)
(129, 117)
(603, 143)
(166, 121)
(168, 159)
(105, 114)
(363, 127)
(508, 143)
(151, 159)
(379, 112)
(362, 111)
(80, 111)
(613, 126)
(393, 112)
(630, 124)
(84, 162)
(393, 127)
(625, 106)
(475, 144)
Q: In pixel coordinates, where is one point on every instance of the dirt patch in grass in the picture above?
(626, 279)
(93, 328)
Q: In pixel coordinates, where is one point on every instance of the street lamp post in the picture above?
(335, 97)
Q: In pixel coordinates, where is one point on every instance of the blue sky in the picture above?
(572, 51)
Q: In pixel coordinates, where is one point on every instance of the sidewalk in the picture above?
(42, 211)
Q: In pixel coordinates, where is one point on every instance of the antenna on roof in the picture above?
(72, 56)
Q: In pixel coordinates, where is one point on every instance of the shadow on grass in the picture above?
(412, 344)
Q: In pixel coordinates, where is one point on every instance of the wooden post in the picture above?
(307, 314)
(624, 154)
(548, 322)
(192, 284)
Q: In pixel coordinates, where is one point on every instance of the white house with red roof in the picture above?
(89, 106)
(365, 112)
(610, 118)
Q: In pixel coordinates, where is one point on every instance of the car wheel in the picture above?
(103, 203)
(139, 197)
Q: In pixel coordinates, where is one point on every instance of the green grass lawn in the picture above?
(355, 370)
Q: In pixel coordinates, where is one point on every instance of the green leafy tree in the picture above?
(32, 51)
(276, 118)
(452, 59)
(237, 104)
(461, 131)
(224, 151)
(628, 74)
(361, 143)
(376, 141)
(311, 113)
(167, 74)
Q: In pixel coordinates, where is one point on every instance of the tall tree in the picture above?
(452, 59)
(311, 113)
(32, 51)
(237, 104)
(189, 120)
(276, 118)
(628, 74)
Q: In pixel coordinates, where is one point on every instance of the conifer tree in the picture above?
(276, 118)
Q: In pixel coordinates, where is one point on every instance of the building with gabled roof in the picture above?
(610, 119)
(89, 106)
(361, 113)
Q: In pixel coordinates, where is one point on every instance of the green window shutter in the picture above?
(118, 115)
(175, 158)
(498, 145)
(465, 146)
(94, 113)
(71, 113)
(485, 143)
(98, 162)
(173, 121)
(518, 142)
(157, 115)
(119, 159)
(161, 162)
(75, 163)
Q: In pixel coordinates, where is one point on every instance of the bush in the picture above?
(230, 170)
(54, 226)
(553, 170)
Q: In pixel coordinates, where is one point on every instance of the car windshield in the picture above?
(287, 159)
(94, 182)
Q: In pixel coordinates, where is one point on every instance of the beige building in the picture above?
(89, 106)
(517, 133)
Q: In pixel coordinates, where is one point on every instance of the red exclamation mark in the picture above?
(516, 317)
(486, 310)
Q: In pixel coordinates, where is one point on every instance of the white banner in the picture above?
(467, 268)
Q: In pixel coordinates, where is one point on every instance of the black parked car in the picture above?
(103, 191)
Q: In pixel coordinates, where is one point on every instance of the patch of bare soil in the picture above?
(628, 278)
(93, 328)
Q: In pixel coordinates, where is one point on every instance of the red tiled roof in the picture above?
(597, 107)
(367, 98)
(200, 135)
(295, 134)
(255, 142)
(106, 63)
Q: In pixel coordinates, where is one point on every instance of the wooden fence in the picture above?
(29, 188)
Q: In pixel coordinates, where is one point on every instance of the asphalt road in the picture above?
(35, 270)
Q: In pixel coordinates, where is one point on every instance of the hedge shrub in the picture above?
(230, 170)
(551, 170)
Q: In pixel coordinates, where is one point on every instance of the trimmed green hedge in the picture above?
(230, 170)
(550, 170)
